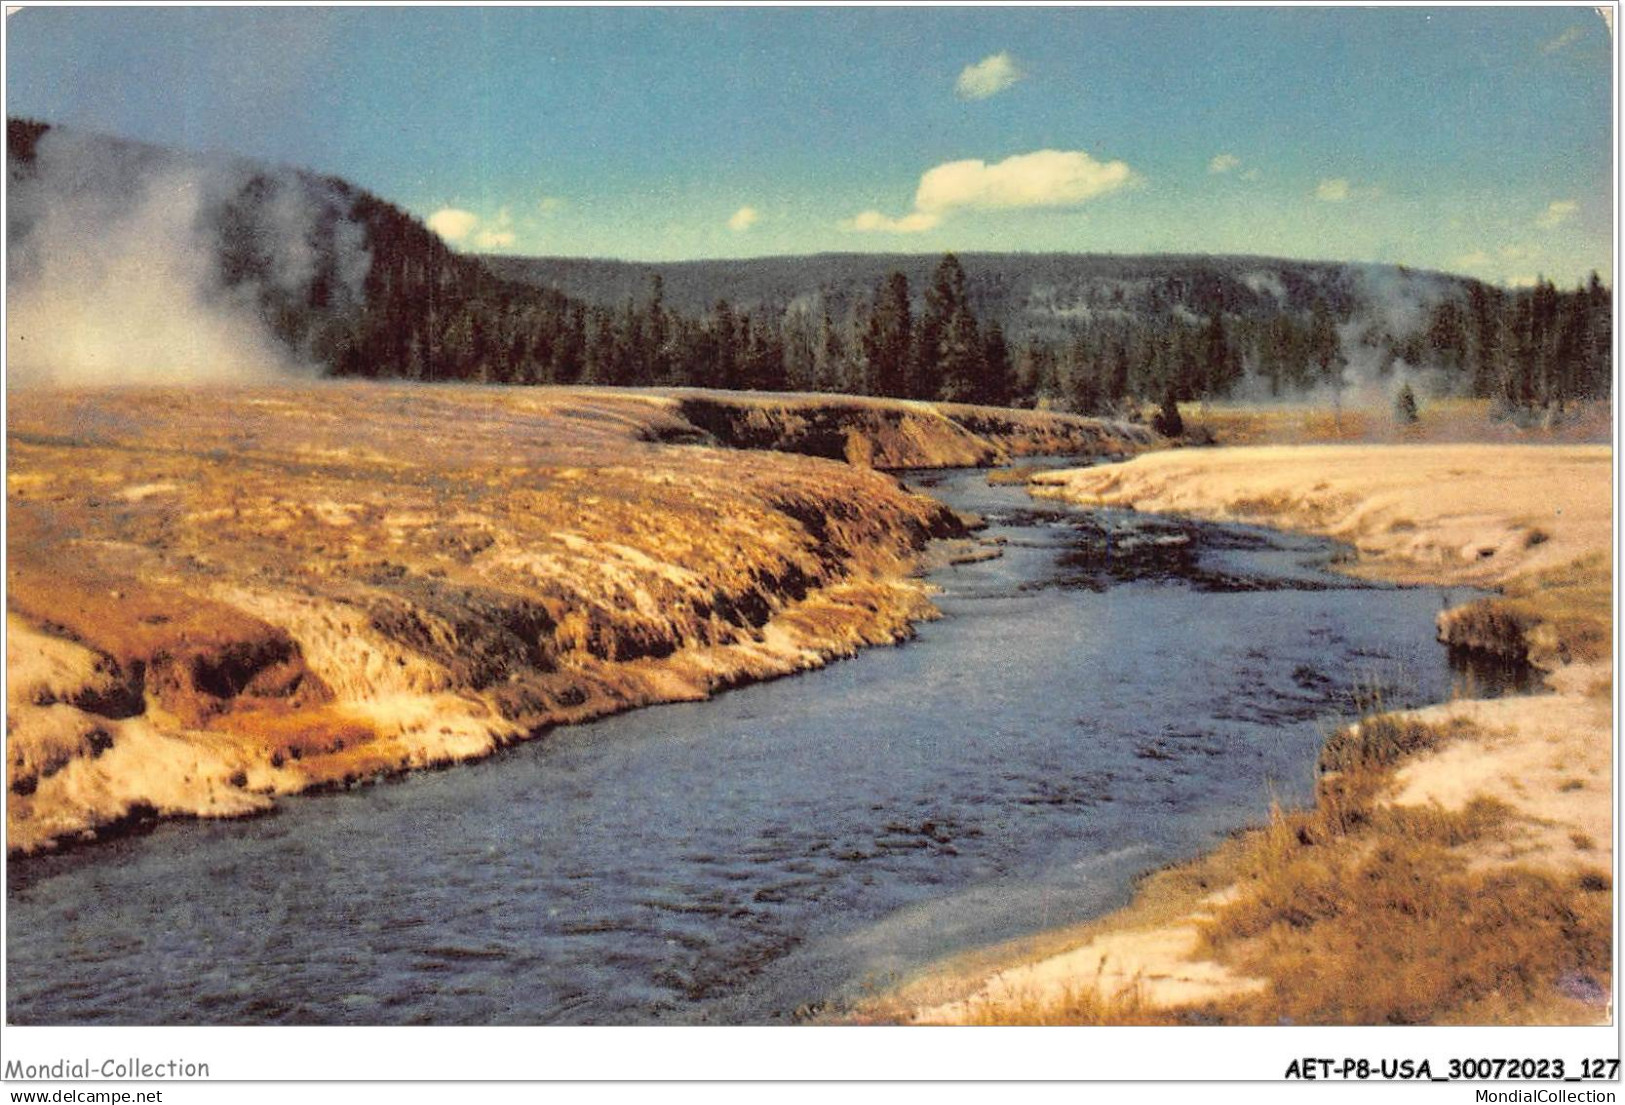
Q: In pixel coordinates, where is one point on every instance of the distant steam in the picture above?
(128, 264)
(1391, 304)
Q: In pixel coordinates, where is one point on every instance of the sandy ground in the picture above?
(1159, 964)
(1369, 419)
(219, 595)
(1497, 515)
(1478, 514)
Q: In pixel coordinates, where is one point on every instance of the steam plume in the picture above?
(130, 264)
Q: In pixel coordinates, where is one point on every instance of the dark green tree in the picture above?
(959, 363)
(1167, 421)
(945, 301)
(998, 377)
(1326, 346)
(831, 359)
(723, 334)
(1222, 363)
(888, 339)
(1447, 336)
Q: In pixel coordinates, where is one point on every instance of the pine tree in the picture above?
(998, 382)
(1223, 366)
(960, 360)
(945, 300)
(1488, 344)
(1116, 374)
(723, 371)
(1596, 341)
(1326, 346)
(599, 360)
(800, 342)
(1447, 336)
(888, 339)
(829, 356)
(1326, 352)
(657, 352)
(763, 367)
(1083, 389)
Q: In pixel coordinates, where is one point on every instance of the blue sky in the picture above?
(1475, 140)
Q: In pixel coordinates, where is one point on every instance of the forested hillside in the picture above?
(1088, 330)
(343, 282)
(1030, 294)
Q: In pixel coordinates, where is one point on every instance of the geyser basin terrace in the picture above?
(218, 595)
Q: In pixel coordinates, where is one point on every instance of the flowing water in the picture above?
(1116, 691)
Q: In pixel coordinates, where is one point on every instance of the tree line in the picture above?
(1116, 333)
(435, 315)
(431, 314)
(1526, 348)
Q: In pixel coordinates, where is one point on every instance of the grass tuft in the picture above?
(1382, 740)
(1092, 1002)
(1363, 913)
(1403, 933)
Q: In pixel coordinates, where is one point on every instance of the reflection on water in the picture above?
(1114, 692)
(1480, 674)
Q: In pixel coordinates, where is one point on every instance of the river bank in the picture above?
(782, 850)
(218, 596)
(1456, 866)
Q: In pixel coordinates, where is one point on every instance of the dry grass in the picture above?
(1364, 913)
(1575, 601)
(1552, 618)
(1012, 476)
(1381, 740)
(1440, 420)
(1359, 911)
(1090, 1002)
(1406, 935)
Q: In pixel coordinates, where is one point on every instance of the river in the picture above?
(1113, 693)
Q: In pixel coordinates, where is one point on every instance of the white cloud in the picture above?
(743, 219)
(1045, 178)
(1223, 163)
(550, 205)
(453, 223)
(872, 221)
(1341, 189)
(1042, 179)
(1557, 213)
(1251, 174)
(459, 227)
(988, 77)
(1333, 190)
(1563, 41)
(1477, 259)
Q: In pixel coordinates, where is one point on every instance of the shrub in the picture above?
(1405, 411)
(1167, 420)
